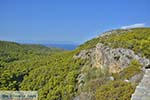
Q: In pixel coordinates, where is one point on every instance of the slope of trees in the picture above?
(137, 39)
(53, 72)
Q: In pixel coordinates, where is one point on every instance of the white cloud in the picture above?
(133, 26)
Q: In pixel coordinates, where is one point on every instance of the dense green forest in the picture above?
(53, 72)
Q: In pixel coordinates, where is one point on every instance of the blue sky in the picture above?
(68, 20)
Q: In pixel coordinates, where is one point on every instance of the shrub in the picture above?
(115, 90)
(133, 69)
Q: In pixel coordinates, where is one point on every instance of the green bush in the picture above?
(133, 69)
(115, 90)
(94, 78)
(93, 84)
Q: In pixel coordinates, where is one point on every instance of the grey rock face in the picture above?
(114, 59)
(136, 78)
(85, 54)
(81, 80)
(142, 91)
(83, 96)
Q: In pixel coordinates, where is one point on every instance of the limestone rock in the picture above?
(142, 91)
(83, 96)
(114, 59)
(136, 78)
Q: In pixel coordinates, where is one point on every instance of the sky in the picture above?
(73, 21)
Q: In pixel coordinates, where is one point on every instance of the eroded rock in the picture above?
(114, 59)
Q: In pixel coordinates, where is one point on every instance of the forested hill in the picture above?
(108, 67)
(10, 51)
(35, 67)
(12, 46)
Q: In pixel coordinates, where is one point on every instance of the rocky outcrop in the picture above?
(83, 96)
(136, 78)
(114, 60)
(142, 91)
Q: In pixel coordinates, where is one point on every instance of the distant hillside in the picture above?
(10, 51)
